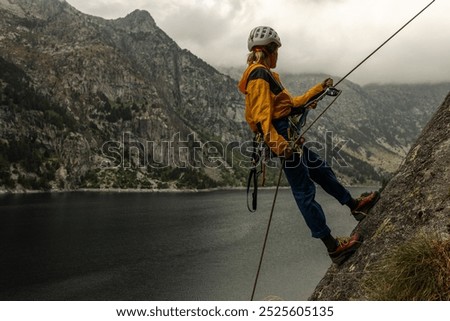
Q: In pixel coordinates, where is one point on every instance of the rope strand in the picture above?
(267, 231)
(387, 40)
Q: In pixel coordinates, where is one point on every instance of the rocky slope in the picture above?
(415, 202)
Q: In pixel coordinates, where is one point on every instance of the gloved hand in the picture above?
(327, 83)
(300, 141)
(296, 147)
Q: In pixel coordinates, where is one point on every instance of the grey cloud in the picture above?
(328, 36)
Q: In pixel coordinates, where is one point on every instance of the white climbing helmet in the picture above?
(262, 36)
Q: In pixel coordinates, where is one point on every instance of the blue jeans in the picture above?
(301, 172)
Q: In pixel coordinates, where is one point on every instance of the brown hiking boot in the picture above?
(346, 247)
(364, 204)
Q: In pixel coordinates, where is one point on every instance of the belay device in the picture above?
(297, 122)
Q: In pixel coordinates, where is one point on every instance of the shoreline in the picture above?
(169, 190)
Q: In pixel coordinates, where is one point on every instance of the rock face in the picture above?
(416, 201)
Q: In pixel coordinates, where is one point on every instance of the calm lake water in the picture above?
(159, 246)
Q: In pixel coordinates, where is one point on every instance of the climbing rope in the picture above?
(297, 124)
(266, 237)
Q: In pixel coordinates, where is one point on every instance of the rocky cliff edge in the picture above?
(414, 208)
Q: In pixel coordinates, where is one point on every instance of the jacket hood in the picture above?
(244, 80)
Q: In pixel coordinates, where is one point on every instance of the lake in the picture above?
(160, 246)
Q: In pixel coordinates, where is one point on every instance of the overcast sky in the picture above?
(328, 36)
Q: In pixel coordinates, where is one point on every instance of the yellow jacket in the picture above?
(266, 99)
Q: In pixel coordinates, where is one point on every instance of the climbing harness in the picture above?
(260, 151)
(297, 124)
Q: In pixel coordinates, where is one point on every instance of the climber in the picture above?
(267, 107)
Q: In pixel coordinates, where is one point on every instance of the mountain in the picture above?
(89, 102)
(406, 252)
(92, 103)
